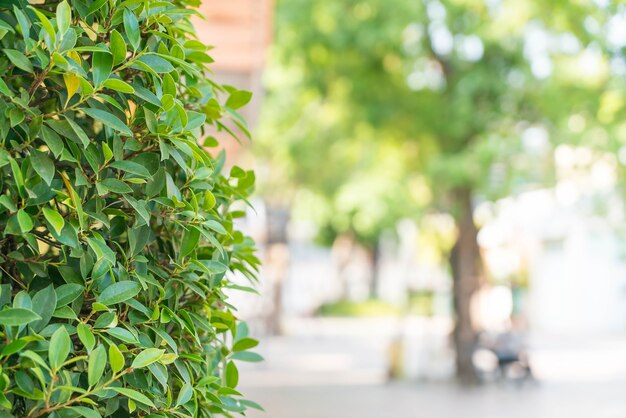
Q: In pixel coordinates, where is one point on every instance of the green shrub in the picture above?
(118, 241)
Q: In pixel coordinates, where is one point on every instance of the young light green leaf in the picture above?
(119, 292)
(45, 22)
(245, 344)
(59, 347)
(54, 218)
(64, 16)
(118, 47)
(232, 375)
(238, 99)
(146, 357)
(97, 363)
(116, 358)
(119, 85)
(86, 336)
(24, 220)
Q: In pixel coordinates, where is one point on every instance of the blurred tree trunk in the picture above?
(276, 263)
(465, 261)
(343, 252)
(373, 255)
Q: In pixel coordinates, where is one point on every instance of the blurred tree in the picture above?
(375, 99)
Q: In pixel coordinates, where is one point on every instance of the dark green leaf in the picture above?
(17, 316)
(44, 304)
(116, 186)
(101, 67)
(43, 165)
(134, 395)
(19, 60)
(108, 119)
(119, 292)
(131, 27)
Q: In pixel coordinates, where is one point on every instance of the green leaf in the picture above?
(44, 22)
(59, 347)
(86, 412)
(54, 218)
(68, 293)
(102, 64)
(97, 363)
(80, 133)
(52, 140)
(146, 357)
(119, 292)
(156, 63)
(238, 99)
(19, 60)
(122, 334)
(232, 375)
(14, 346)
(95, 6)
(86, 336)
(131, 167)
(44, 304)
(131, 28)
(17, 316)
(116, 186)
(245, 344)
(134, 395)
(116, 358)
(64, 16)
(109, 120)
(185, 394)
(247, 356)
(119, 85)
(190, 241)
(43, 165)
(4, 89)
(24, 220)
(118, 47)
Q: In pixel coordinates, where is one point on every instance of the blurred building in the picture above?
(240, 32)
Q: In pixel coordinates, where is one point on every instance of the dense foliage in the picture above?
(118, 240)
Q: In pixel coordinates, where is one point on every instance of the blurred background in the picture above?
(440, 207)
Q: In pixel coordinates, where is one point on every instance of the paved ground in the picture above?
(438, 401)
(339, 371)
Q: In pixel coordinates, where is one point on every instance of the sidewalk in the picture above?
(339, 370)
